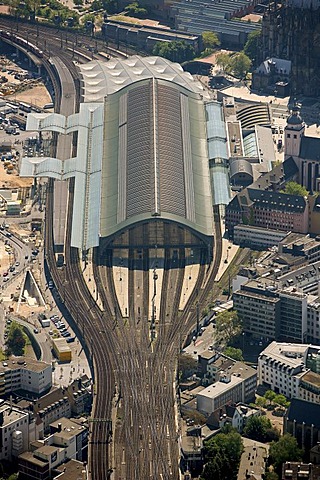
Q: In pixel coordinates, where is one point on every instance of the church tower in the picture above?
(293, 133)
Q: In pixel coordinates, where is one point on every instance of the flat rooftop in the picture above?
(23, 363)
(311, 377)
(28, 456)
(218, 388)
(291, 354)
(71, 470)
(11, 415)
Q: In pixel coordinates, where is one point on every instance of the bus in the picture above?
(25, 107)
(47, 106)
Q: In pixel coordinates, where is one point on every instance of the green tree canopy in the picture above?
(261, 402)
(175, 51)
(260, 429)
(135, 10)
(235, 353)
(187, 365)
(210, 40)
(281, 400)
(222, 454)
(272, 476)
(223, 61)
(285, 449)
(251, 48)
(293, 188)
(240, 64)
(270, 396)
(16, 340)
(228, 327)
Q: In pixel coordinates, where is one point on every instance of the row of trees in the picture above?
(175, 51)
(271, 398)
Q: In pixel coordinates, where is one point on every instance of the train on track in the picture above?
(22, 42)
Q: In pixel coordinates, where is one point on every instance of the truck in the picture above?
(45, 322)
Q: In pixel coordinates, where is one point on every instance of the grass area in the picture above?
(123, 18)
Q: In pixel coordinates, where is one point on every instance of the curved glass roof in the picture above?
(103, 78)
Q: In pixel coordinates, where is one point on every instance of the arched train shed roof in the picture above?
(155, 156)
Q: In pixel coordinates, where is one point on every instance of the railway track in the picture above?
(134, 377)
(75, 44)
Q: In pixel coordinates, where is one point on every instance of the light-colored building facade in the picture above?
(27, 374)
(68, 439)
(280, 366)
(258, 309)
(255, 237)
(237, 384)
(16, 431)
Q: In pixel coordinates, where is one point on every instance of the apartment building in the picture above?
(16, 431)
(258, 307)
(281, 366)
(268, 209)
(68, 440)
(60, 402)
(25, 374)
(237, 384)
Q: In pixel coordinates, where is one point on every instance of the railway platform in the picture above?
(87, 272)
(229, 251)
(189, 281)
(121, 283)
(155, 288)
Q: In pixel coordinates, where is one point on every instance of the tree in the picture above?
(240, 65)
(293, 188)
(187, 365)
(251, 48)
(272, 476)
(16, 340)
(223, 60)
(235, 353)
(280, 400)
(256, 428)
(261, 402)
(175, 51)
(111, 6)
(135, 10)
(270, 395)
(210, 40)
(228, 327)
(285, 449)
(222, 454)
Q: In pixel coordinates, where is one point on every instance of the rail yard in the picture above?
(133, 342)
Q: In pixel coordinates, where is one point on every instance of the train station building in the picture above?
(141, 171)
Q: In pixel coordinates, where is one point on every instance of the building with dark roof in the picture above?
(268, 209)
(218, 16)
(302, 421)
(272, 74)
